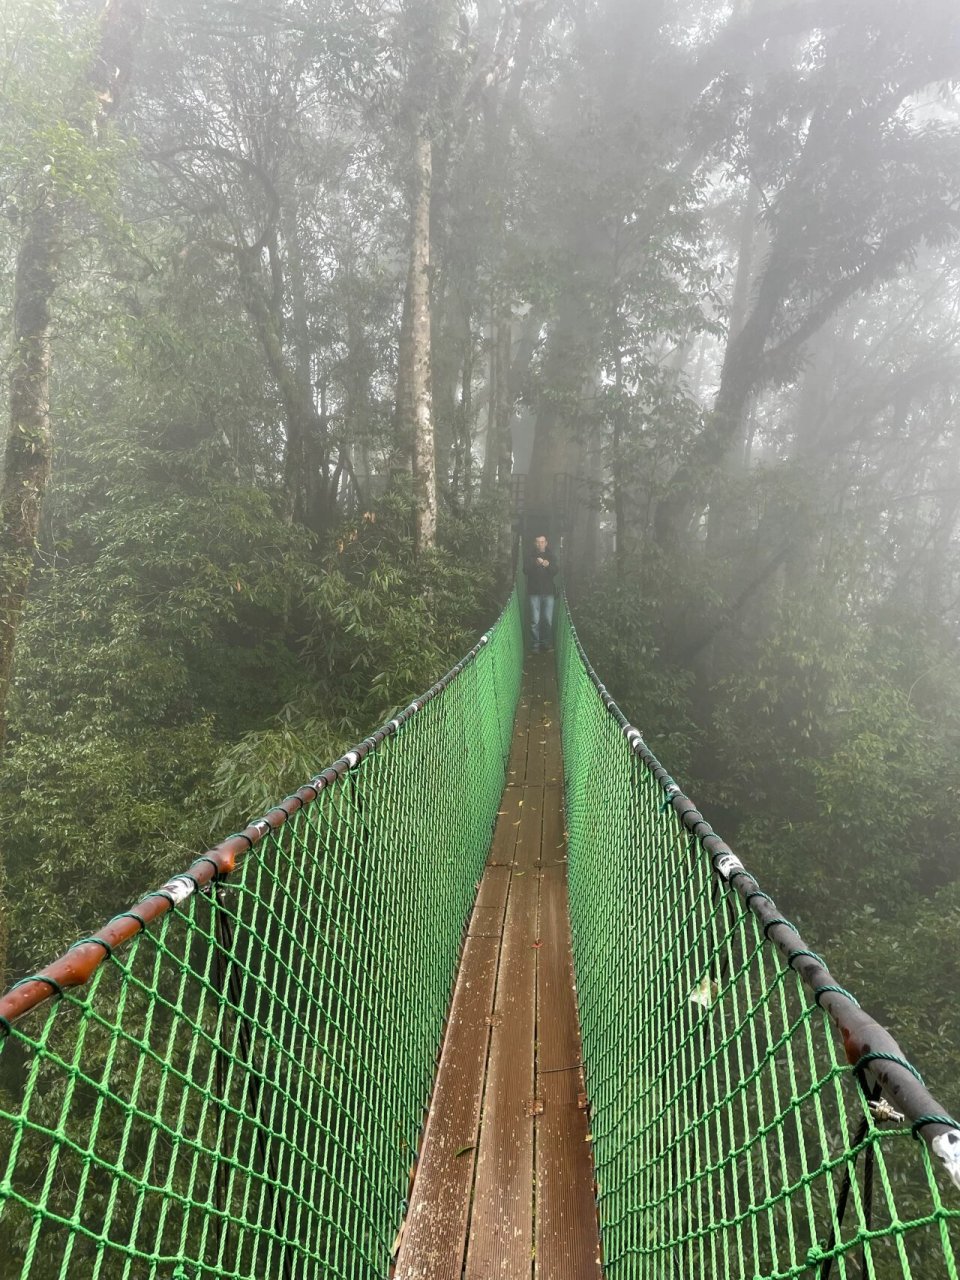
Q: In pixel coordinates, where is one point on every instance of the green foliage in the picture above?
(823, 744)
(379, 626)
(617, 620)
(188, 655)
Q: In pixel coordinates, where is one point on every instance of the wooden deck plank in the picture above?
(501, 1225)
(505, 833)
(567, 1243)
(553, 752)
(435, 1231)
(526, 1167)
(494, 886)
(517, 764)
(540, 676)
(486, 922)
(526, 856)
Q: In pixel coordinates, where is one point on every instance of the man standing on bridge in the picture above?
(541, 567)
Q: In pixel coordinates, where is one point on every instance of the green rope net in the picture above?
(732, 1137)
(239, 1091)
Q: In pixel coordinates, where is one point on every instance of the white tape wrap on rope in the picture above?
(947, 1147)
(727, 864)
(179, 888)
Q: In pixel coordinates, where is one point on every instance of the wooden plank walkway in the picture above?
(504, 1183)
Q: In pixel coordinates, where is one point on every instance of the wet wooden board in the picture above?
(525, 1166)
(536, 753)
(435, 1229)
(567, 1243)
(517, 764)
(492, 894)
(501, 1226)
(505, 833)
(530, 827)
(486, 922)
(553, 754)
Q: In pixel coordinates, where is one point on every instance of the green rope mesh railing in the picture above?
(731, 1138)
(239, 1090)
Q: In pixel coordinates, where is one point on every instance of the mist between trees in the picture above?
(291, 286)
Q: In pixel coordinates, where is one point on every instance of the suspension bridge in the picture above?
(485, 998)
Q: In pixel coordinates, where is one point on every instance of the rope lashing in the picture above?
(922, 1121)
(820, 992)
(803, 951)
(867, 1058)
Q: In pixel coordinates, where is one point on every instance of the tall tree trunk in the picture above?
(556, 447)
(490, 450)
(424, 457)
(300, 418)
(28, 450)
(745, 259)
(723, 433)
(463, 486)
(504, 441)
(451, 339)
(504, 404)
(316, 495)
(617, 469)
(404, 413)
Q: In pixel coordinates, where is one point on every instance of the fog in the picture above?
(314, 311)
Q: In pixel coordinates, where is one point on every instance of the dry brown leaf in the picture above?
(395, 1248)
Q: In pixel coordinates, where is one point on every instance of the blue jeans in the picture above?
(541, 622)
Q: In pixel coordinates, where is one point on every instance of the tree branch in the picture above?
(886, 258)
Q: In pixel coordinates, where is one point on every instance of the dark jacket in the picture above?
(540, 578)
